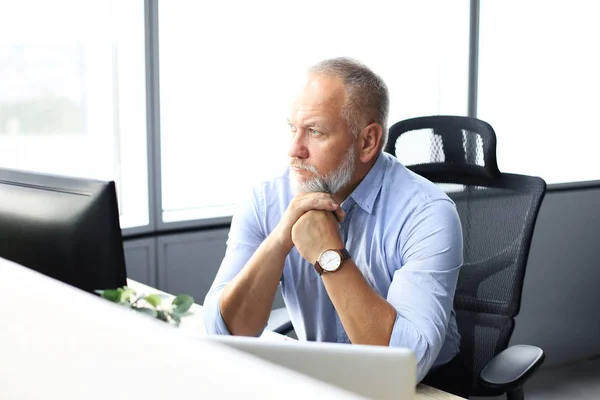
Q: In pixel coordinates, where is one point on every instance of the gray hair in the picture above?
(368, 99)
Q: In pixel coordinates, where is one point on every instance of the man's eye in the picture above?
(292, 128)
(314, 132)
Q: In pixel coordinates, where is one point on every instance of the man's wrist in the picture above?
(333, 245)
(281, 240)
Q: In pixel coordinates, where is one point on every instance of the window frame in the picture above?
(156, 224)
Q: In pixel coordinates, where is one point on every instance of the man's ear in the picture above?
(370, 142)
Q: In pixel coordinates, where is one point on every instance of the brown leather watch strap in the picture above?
(318, 268)
(345, 255)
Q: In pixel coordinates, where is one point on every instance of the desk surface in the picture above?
(194, 325)
(60, 342)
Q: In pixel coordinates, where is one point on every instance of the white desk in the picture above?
(60, 342)
(194, 326)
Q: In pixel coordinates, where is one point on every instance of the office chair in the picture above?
(498, 213)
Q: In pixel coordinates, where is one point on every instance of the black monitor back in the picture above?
(66, 228)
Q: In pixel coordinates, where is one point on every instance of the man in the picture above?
(366, 251)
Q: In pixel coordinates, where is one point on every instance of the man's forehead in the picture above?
(315, 114)
(306, 120)
(320, 92)
(324, 87)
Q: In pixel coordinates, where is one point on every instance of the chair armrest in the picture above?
(279, 321)
(511, 368)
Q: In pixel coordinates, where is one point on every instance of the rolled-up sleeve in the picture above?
(422, 290)
(245, 236)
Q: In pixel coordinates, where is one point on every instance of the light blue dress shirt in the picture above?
(402, 232)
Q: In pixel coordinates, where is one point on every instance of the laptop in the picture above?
(374, 372)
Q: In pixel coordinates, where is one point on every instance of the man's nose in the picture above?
(298, 147)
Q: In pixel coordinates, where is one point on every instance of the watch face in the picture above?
(330, 260)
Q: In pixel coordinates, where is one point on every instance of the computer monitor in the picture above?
(65, 228)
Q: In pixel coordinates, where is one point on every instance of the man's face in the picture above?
(322, 153)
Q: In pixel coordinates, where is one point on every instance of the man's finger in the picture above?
(339, 214)
(318, 203)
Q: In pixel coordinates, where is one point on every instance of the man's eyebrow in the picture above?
(318, 123)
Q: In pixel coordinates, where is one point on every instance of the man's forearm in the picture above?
(247, 300)
(366, 316)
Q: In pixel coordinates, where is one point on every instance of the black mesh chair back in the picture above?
(498, 213)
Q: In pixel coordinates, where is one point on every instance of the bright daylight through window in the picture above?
(539, 87)
(72, 94)
(227, 71)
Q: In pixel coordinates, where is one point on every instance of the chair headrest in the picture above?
(462, 147)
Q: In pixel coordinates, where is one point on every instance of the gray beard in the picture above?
(332, 182)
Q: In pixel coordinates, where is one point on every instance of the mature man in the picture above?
(365, 250)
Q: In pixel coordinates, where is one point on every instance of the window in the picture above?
(227, 70)
(538, 87)
(72, 94)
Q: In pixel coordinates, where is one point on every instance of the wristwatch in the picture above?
(331, 260)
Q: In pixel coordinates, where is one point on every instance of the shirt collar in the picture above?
(366, 192)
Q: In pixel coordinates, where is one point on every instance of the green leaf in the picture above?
(153, 299)
(182, 303)
(127, 294)
(175, 317)
(160, 314)
(185, 314)
(147, 311)
(112, 295)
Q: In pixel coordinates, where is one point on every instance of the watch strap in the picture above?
(344, 254)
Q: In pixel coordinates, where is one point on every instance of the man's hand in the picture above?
(366, 316)
(299, 205)
(314, 232)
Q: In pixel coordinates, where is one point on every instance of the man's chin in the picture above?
(307, 186)
(298, 185)
(301, 178)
